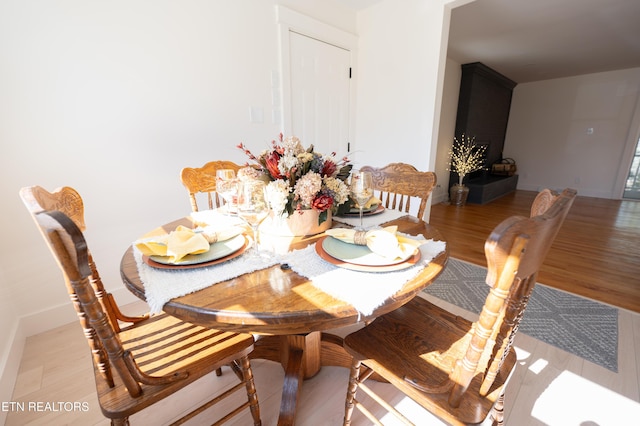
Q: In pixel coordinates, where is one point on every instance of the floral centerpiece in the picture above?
(466, 157)
(301, 179)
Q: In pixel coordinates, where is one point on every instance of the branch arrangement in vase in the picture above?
(466, 156)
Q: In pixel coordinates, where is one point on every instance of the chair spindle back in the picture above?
(515, 251)
(396, 183)
(203, 180)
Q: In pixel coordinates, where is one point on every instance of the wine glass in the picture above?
(361, 189)
(253, 207)
(227, 187)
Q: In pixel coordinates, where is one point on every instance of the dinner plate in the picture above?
(373, 210)
(360, 258)
(218, 252)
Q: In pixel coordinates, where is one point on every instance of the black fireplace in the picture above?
(483, 113)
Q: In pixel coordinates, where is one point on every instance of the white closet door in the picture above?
(320, 79)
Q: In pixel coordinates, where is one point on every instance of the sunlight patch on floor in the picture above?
(538, 365)
(573, 400)
(413, 411)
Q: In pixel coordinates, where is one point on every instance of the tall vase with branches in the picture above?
(465, 157)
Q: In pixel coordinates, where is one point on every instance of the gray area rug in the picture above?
(577, 325)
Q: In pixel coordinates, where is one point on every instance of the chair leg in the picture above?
(497, 413)
(219, 371)
(245, 365)
(354, 376)
(120, 422)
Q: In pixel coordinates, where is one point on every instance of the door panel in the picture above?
(320, 86)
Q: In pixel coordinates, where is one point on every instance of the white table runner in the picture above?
(162, 285)
(365, 291)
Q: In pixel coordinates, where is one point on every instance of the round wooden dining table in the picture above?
(291, 316)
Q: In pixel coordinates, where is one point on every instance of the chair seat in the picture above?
(426, 342)
(162, 346)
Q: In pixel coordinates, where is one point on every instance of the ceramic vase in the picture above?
(300, 223)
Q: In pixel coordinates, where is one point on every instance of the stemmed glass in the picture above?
(253, 207)
(227, 187)
(361, 189)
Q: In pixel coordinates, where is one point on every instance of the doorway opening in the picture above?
(632, 185)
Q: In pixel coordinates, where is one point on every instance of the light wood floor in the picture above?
(550, 387)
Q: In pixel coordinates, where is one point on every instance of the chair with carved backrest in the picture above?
(396, 183)
(153, 358)
(68, 201)
(543, 201)
(455, 369)
(199, 180)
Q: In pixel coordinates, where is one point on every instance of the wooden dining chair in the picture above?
(397, 183)
(68, 201)
(202, 180)
(153, 358)
(456, 369)
(543, 201)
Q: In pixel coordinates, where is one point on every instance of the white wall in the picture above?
(114, 98)
(449, 112)
(547, 131)
(400, 83)
(398, 80)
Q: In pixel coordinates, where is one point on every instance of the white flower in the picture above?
(292, 146)
(249, 173)
(277, 194)
(307, 187)
(287, 163)
(338, 188)
(305, 157)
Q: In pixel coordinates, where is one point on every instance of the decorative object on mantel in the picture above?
(304, 187)
(465, 157)
(505, 167)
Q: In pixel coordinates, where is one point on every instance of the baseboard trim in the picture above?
(441, 197)
(10, 365)
(582, 192)
(26, 326)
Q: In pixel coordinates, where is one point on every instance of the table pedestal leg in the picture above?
(301, 356)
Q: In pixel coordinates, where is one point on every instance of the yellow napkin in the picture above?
(384, 242)
(373, 201)
(183, 241)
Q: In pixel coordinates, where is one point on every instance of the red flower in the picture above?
(328, 168)
(322, 202)
(271, 163)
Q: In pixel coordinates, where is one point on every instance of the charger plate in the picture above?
(218, 252)
(374, 210)
(324, 248)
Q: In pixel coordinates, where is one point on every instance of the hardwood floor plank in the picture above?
(596, 253)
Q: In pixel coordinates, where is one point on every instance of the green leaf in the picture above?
(322, 217)
(345, 207)
(344, 172)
